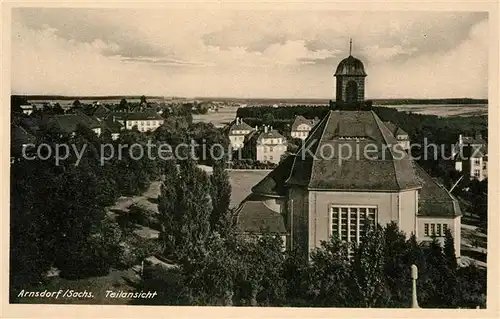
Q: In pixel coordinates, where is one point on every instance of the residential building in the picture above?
(27, 108)
(401, 136)
(471, 156)
(237, 133)
(68, 123)
(144, 121)
(270, 146)
(301, 127)
(320, 194)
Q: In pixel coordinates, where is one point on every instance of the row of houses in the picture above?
(263, 144)
(100, 120)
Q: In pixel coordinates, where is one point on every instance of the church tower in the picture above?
(350, 76)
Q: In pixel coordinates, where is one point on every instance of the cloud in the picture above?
(246, 53)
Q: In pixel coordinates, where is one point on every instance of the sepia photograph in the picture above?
(226, 156)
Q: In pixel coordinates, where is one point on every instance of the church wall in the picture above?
(342, 87)
(407, 207)
(298, 218)
(453, 223)
(319, 210)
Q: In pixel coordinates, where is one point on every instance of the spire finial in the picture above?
(350, 46)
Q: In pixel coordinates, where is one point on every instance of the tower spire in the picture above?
(350, 46)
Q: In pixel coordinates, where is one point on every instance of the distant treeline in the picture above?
(263, 101)
(429, 101)
(85, 98)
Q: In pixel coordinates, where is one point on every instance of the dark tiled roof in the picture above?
(350, 66)
(434, 199)
(69, 122)
(241, 126)
(100, 111)
(270, 134)
(299, 120)
(134, 116)
(340, 131)
(274, 183)
(256, 217)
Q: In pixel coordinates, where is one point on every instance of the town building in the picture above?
(68, 123)
(145, 121)
(471, 156)
(401, 136)
(270, 146)
(237, 133)
(27, 108)
(301, 127)
(336, 187)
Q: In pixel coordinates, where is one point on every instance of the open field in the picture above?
(445, 110)
(228, 114)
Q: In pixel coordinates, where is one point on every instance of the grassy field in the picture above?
(228, 114)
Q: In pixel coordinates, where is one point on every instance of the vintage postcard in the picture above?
(285, 157)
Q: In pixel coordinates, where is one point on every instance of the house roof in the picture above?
(239, 125)
(270, 134)
(69, 122)
(394, 129)
(324, 162)
(100, 111)
(478, 139)
(256, 217)
(274, 182)
(299, 120)
(135, 116)
(434, 199)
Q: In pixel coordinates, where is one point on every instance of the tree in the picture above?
(260, 275)
(397, 265)
(211, 277)
(330, 273)
(449, 250)
(368, 268)
(221, 219)
(77, 103)
(186, 215)
(143, 101)
(123, 106)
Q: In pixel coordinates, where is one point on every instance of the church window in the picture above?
(348, 223)
(426, 229)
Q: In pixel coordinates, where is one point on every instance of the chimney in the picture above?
(265, 128)
(271, 128)
(237, 120)
(114, 118)
(256, 127)
(460, 140)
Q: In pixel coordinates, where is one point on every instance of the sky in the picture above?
(248, 54)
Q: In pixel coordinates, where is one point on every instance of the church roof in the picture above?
(256, 217)
(274, 183)
(434, 200)
(324, 161)
(350, 66)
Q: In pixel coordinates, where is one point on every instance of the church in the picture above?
(327, 189)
